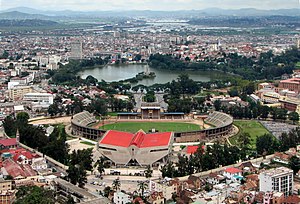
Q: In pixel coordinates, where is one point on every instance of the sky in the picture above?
(95, 5)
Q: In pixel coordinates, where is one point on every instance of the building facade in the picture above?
(277, 180)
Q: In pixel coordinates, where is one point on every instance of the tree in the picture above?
(77, 175)
(22, 118)
(100, 164)
(265, 143)
(34, 195)
(116, 184)
(294, 164)
(53, 109)
(148, 172)
(244, 139)
(106, 191)
(10, 127)
(142, 185)
(217, 105)
(294, 116)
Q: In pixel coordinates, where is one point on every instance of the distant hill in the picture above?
(149, 13)
(7, 23)
(20, 15)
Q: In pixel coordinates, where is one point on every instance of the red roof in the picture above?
(232, 170)
(117, 138)
(16, 170)
(140, 139)
(193, 149)
(8, 142)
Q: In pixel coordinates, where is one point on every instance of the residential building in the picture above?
(233, 173)
(121, 198)
(167, 188)
(292, 84)
(16, 93)
(291, 104)
(277, 180)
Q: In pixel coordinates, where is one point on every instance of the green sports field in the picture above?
(146, 126)
(254, 128)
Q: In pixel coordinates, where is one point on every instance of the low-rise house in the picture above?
(281, 157)
(156, 198)
(233, 174)
(8, 143)
(214, 178)
(121, 198)
(247, 167)
(196, 181)
(39, 163)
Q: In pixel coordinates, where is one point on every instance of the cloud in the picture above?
(148, 4)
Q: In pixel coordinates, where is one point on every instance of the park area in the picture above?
(254, 128)
(146, 126)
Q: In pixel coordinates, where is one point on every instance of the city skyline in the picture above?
(163, 5)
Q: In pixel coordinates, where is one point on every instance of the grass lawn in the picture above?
(146, 126)
(254, 128)
(298, 65)
(87, 143)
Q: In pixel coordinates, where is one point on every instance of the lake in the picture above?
(111, 73)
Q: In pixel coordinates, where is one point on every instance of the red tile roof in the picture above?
(8, 142)
(140, 139)
(193, 149)
(16, 170)
(232, 170)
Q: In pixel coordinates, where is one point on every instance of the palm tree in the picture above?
(116, 184)
(142, 186)
(100, 165)
(148, 172)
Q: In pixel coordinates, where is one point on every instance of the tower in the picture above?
(18, 137)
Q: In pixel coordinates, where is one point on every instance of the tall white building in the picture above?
(76, 50)
(277, 180)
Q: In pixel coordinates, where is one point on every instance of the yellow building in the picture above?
(17, 92)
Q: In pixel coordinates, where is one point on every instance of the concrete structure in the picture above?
(277, 180)
(76, 50)
(80, 123)
(270, 97)
(121, 198)
(221, 122)
(39, 98)
(292, 84)
(291, 104)
(16, 93)
(141, 149)
(222, 125)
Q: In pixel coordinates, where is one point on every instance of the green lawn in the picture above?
(146, 126)
(254, 128)
(298, 65)
(87, 143)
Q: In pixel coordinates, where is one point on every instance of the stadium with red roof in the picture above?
(124, 148)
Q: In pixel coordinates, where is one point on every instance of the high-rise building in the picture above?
(76, 50)
(277, 180)
(298, 43)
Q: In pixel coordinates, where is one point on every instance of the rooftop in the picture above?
(139, 139)
(232, 170)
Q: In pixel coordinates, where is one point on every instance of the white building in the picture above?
(39, 98)
(277, 180)
(121, 198)
(233, 174)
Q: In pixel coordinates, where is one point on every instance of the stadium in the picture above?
(140, 148)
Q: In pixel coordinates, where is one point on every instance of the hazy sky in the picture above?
(84, 5)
